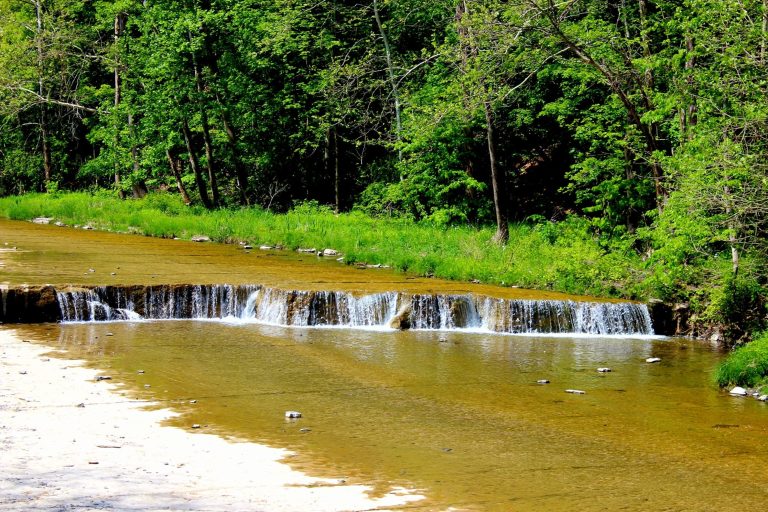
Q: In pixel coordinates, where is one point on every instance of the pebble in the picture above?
(604, 370)
(576, 391)
(103, 377)
(292, 414)
(653, 360)
(247, 247)
(266, 247)
(305, 430)
(542, 381)
(193, 401)
(763, 398)
(147, 386)
(140, 372)
(196, 425)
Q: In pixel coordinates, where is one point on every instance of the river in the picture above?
(456, 413)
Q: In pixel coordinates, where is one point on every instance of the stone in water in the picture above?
(653, 360)
(542, 381)
(604, 370)
(576, 391)
(292, 414)
(738, 391)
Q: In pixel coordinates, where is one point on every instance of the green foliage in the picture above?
(746, 366)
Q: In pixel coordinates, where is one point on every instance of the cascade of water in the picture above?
(552, 316)
(328, 308)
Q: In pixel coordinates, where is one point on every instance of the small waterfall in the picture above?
(555, 316)
(334, 308)
(320, 308)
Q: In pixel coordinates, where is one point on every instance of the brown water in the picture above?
(457, 415)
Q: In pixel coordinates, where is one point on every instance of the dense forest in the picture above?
(646, 119)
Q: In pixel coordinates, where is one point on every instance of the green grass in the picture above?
(562, 257)
(746, 366)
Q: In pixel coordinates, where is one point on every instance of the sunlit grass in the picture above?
(562, 257)
(746, 366)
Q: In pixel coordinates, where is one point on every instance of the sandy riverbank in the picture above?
(110, 454)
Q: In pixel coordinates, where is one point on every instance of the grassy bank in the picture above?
(746, 366)
(561, 257)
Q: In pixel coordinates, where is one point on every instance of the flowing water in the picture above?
(451, 407)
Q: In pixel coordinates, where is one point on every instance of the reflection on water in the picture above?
(457, 414)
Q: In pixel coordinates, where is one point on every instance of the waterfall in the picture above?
(304, 308)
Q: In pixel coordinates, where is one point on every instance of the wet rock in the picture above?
(402, 319)
(81, 405)
(140, 372)
(23, 372)
(59, 224)
(200, 238)
(763, 398)
(330, 252)
(305, 430)
(42, 220)
(311, 251)
(738, 391)
(266, 247)
(247, 247)
(653, 360)
(193, 401)
(542, 381)
(103, 377)
(196, 425)
(88, 227)
(292, 414)
(575, 391)
(604, 370)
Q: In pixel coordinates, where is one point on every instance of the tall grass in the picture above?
(746, 366)
(562, 257)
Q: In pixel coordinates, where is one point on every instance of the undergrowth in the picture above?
(746, 366)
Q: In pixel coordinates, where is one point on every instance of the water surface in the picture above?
(457, 415)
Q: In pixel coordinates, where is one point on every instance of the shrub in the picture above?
(747, 365)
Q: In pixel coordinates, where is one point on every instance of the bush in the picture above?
(746, 366)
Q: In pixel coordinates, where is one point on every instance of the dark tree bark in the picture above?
(176, 169)
(194, 163)
(498, 183)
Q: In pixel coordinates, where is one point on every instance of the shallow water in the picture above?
(46, 254)
(458, 415)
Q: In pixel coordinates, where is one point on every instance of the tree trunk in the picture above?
(45, 144)
(139, 187)
(209, 163)
(193, 162)
(331, 157)
(497, 182)
(119, 27)
(392, 80)
(732, 230)
(240, 173)
(764, 33)
(209, 159)
(47, 165)
(176, 166)
(337, 171)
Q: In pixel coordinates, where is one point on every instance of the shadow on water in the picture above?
(459, 415)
